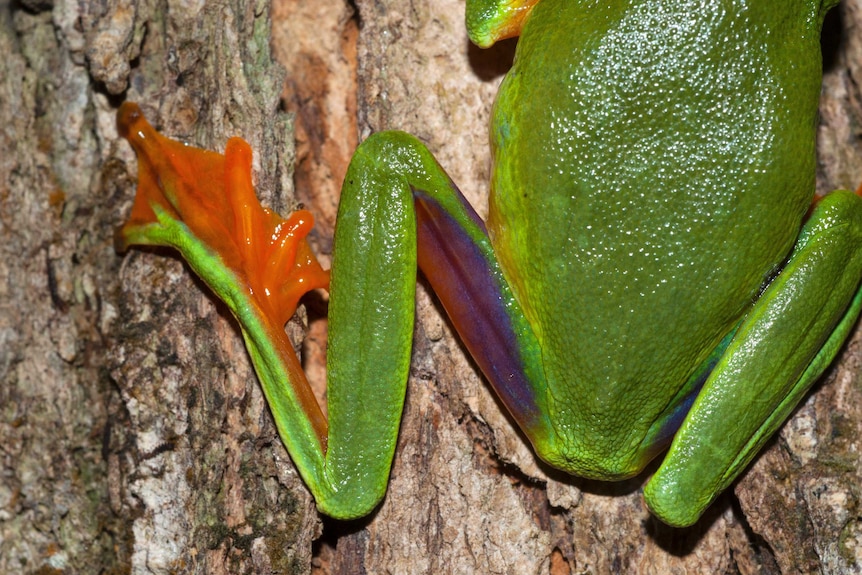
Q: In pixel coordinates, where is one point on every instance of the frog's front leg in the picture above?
(792, 333)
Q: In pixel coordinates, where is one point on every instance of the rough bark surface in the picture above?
(133, 434)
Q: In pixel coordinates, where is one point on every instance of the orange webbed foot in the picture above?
(213, 197)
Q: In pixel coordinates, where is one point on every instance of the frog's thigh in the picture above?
(790, 336)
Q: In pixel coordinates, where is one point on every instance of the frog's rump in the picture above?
(640, 212)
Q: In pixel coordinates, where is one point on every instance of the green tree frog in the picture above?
(652, 277)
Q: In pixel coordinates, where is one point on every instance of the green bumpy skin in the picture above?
(648, 277)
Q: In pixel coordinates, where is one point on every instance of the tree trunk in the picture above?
(134, 435)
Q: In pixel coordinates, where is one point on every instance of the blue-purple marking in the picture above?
(471, 294)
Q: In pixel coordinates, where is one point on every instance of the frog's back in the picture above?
(653, 162)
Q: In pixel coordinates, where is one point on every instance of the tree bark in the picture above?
(134, 436)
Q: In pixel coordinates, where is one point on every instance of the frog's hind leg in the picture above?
(398, 207)
(791, 335)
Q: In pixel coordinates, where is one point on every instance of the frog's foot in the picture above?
(192, 197)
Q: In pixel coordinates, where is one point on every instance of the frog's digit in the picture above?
(489, 21)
